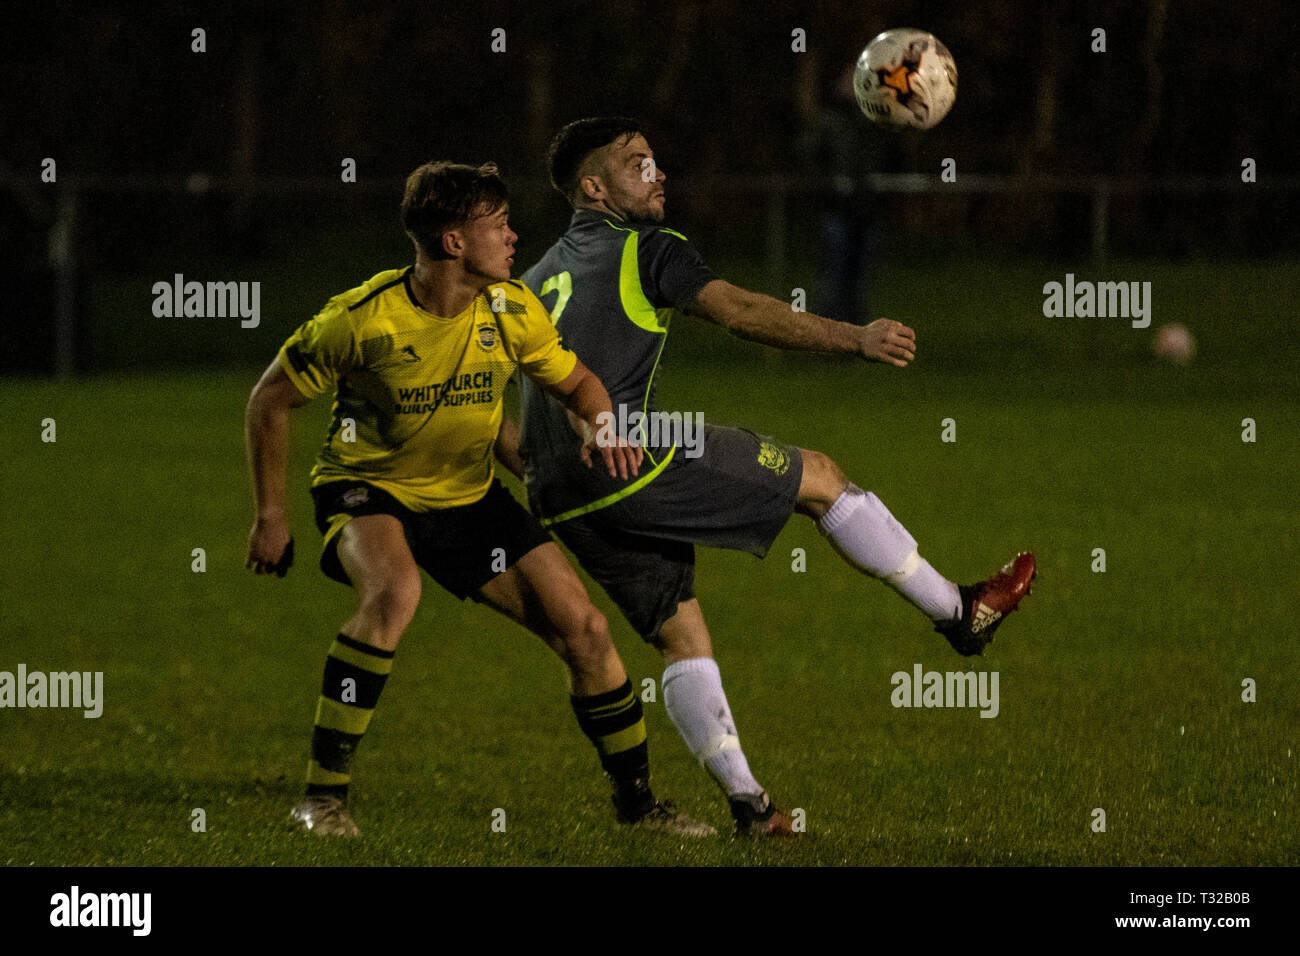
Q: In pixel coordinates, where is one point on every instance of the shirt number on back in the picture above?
(563, 284)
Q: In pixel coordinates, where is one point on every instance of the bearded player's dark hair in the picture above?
(443, 195)
(572, 145)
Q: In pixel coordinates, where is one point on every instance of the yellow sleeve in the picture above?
(532, 339)
(322, 351)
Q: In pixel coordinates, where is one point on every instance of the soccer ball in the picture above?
(1174, 343)
(905, 79)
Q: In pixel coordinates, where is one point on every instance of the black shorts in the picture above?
(738, 494)
(646, 577)
(458, 547)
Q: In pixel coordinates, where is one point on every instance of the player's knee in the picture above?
(389, 607)
(822, 483)
(587, 639)
(831, 475)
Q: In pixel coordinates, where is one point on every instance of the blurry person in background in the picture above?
(845, 149)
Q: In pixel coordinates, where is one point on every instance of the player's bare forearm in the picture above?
(266, 437)
(507, 448)
(761, 318)
(583, 394)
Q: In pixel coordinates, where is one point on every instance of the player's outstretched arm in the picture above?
(761, 318)
(583, 394)
(506, 448)
(266, 436)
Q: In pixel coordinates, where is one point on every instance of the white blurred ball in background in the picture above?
(1174, 343)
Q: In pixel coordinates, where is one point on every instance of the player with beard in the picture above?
(612, 282)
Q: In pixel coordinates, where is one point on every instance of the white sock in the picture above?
(868, 537)
(698, 708)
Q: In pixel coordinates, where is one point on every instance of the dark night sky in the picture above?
(286, 89)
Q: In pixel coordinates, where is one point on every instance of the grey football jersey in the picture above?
(611, 287)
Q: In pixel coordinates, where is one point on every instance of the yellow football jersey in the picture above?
(417, 404)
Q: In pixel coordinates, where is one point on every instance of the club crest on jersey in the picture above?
(772, 457)
(487, 336)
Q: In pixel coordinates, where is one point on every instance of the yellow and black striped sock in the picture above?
(615, 724)
(354, 677)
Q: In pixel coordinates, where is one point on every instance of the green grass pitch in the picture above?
(1119, 690)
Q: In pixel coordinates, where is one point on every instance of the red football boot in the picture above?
(985, 604)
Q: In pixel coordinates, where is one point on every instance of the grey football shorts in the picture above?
(738, 494)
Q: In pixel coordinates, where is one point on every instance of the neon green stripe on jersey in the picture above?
(645, 402)
(635, 304)
(616, 496)
(640, 311)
